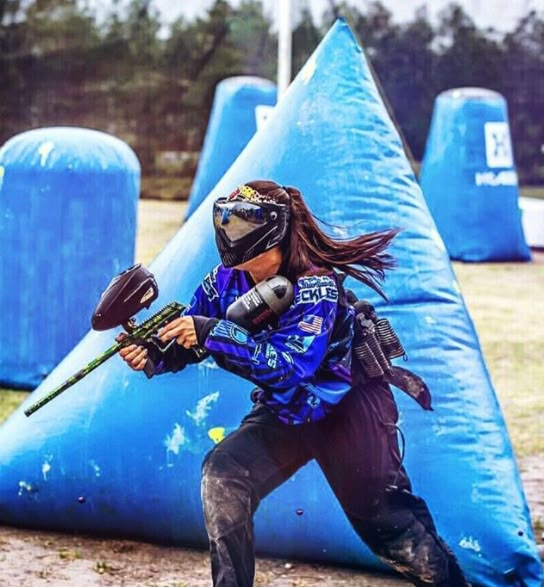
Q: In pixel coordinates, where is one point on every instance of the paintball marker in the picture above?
(136, 288)
(127, 294)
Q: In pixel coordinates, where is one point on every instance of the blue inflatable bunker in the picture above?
(469, 178)
(240, 106)
(68, 201)
(119, 454)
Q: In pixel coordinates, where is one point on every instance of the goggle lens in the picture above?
(238, 219)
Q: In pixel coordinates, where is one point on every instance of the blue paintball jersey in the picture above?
(301, 365)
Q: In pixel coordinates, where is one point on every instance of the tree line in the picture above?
(124, 71)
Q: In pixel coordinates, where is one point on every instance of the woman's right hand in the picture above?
(135, 356)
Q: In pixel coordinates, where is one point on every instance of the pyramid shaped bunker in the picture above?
(469, 178)
(120, 455)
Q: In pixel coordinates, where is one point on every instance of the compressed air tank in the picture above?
(240, 106)
(68, 204)
(469, 178)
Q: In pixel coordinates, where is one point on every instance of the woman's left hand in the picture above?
(182, 329)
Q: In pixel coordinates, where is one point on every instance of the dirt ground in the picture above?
(30, 558)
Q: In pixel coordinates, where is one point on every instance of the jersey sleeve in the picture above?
(289, 355)
(206, 299)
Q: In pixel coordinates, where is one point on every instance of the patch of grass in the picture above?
(158, 222)
(102, 567)
(166, 187)
(502, 299)
(69, 555)
(9, 401)
(532, 191)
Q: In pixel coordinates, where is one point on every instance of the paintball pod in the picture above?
(135, 289)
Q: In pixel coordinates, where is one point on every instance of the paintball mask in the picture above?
(247, 224)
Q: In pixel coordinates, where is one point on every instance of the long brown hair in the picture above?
(308, 249)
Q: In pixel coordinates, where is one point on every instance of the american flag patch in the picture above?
(311, 324)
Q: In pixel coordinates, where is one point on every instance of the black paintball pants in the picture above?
(357, 450)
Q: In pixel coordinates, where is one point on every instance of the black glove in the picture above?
(172, 357)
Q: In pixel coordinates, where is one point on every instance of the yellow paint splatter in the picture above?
(217, 434)
(248, 192)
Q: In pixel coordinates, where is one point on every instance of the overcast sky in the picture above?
(502, 15)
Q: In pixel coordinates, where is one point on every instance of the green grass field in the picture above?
(501, 298)
(532, 192)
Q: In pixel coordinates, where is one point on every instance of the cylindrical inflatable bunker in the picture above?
(68, 204)
(241, 104)
(469, 178)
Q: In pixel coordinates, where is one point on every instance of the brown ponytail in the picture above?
(307, 248)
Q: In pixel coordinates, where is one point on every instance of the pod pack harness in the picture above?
(375, 344)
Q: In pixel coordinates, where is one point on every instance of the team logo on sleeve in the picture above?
(311, 324)
(208, 285)
(316, 288)
(299, 344)
(230, 331)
